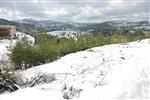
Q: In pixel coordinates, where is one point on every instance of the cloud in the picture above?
(75, 10)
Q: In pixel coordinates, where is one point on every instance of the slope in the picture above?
(117, 71)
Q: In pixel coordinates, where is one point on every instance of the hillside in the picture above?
(68, 34)
(117, 71)
(31, 25)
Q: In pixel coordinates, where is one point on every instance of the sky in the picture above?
(75, 10)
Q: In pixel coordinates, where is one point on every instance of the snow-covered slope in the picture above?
(67, 34)
(5, 43)
(112, 72)
(21, 35)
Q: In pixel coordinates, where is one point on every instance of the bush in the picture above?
(39, 79)
(48, 50)
(118, 36)
(137, 36)
(8, 79)
(24, 55)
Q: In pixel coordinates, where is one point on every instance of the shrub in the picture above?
(118, 36)
(24, 55)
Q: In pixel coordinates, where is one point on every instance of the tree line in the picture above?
(49, 48)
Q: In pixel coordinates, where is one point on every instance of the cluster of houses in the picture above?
(7, 31)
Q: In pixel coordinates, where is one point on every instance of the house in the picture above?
(7, 31)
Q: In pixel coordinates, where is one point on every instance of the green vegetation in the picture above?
(49, 48)
(119, 37)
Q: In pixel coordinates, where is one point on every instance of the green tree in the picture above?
(118, 36)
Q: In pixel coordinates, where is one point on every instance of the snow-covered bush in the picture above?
(69, 92)
(8, 79)
(11, 80)
(39, 79)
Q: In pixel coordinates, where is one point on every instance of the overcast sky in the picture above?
(75, 10)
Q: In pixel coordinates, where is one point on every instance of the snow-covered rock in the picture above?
(117, 71)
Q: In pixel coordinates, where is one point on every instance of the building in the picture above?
(7, 31)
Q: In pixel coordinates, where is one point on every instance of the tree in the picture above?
(118, 36)
(23, 55)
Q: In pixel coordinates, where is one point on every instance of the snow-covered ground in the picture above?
(110, 72)
(5, 43)
(67, 34)
(21, 35)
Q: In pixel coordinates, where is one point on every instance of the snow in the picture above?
(21, 35)
(113, 72)
(3, 48)
(67, 34)
(4, 43)
(62, 33)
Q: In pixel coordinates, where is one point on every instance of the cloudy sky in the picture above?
(75, 10)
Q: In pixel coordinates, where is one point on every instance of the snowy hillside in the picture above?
(117, 71)
(67, 34)
(5, 42)
(21, 35)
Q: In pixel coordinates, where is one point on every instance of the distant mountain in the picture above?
(31, 25)
(48, 25)
(20, 26)
(131, 25)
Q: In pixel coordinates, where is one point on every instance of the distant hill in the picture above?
(24, 27)
(31, 25)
